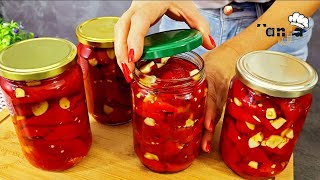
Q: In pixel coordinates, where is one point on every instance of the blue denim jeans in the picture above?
(225, 27)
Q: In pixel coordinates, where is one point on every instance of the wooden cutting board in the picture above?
(111, 157)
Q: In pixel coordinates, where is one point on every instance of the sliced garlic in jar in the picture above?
(107, 109)
(93, 62)
(271, 113)
(40, 108)
(255, 140)
(195, 74)
(287, 133)
(164, 60)
(149, 121)
(151, 156)
(277, 123)
(147, 68)
(189, 123)
(20, 93)
(64, 103)
(250, 126)
(138, 95)
(148, 80)
(150, 97)
(237, 101)
(110, 53)
(253, 164)
(180, 146)
(256, 118)
(273, 141)
(159, 65)
(283, 143)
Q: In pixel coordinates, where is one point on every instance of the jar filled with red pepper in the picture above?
(108, 94)
(44, 91)
(169, 97)
(267, 104)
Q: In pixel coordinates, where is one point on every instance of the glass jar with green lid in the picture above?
(43, 89)
(169, 99)
(107, 92)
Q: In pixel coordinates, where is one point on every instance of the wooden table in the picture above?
(111, 157)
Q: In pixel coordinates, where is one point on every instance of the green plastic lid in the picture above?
(169, 43)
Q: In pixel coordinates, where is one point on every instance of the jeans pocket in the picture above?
(244, 23)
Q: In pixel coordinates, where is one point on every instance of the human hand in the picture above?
(134, 24)
(220, 68)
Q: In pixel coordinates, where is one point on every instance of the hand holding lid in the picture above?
(134, 24)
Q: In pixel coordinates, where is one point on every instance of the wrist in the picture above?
(224, 67)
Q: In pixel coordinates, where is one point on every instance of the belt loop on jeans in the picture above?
(263, 7)
(259, 9)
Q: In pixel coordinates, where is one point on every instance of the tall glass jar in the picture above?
(107, 92)
(267, 105)
(43, 89)
(169, 96)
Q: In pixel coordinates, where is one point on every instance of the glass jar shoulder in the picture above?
(67, 83)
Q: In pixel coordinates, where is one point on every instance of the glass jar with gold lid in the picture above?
(43, 89)
(108, 94)
(267, 105)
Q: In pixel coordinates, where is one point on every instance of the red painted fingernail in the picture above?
(208, 147)
(211, 126)
(212, 41)
(130, 55)
(126, 72)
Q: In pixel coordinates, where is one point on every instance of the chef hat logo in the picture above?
(299, 20)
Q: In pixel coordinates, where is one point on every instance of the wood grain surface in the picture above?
(111, 157)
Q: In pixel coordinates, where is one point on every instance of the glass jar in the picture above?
(44, 92)
(169, 96)
(108, 94)
(267, 104)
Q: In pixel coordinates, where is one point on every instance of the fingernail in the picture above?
(211, 126)
(208, 147)
(212, 41)
(130, 55)
(126, 72)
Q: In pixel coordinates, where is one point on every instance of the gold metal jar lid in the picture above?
(97, 32)
(276, 74)
(37, 59)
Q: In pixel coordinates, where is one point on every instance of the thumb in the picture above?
(189, 13)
